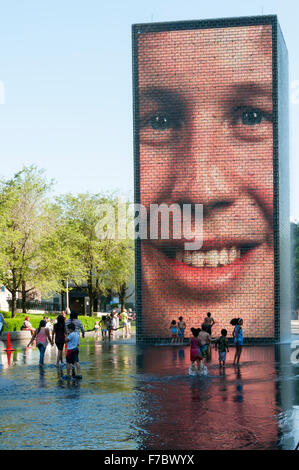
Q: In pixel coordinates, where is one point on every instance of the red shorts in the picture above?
(72, 356)
(194, 355)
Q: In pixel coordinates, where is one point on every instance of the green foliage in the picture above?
(14, 324)
(104, 261)
(24, 220)
(43, 244)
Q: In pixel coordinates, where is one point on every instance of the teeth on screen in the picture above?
(198, 259)
(223, 257)
(232, 254)
(209, 259)
(187, 257)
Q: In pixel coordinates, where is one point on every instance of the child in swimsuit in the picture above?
(238, 338)
(205, 340)
(195, 355)
(181, 328)
(174, 331)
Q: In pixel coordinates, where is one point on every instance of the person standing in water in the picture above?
(222, 345)
(238, 338)
(58, 335)
(72, 355)
(174, 332)
(181, 329)
(195, 356)
(42, 336)
(205, 340)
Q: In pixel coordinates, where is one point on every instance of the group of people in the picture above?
(27, 326)
(111, 323)
(65, 334)
(178, 328)
(201, 340)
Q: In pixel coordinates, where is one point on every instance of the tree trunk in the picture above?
(62, 293)
(122, 296)
(91, 294)
(23, 296)
(14, 304)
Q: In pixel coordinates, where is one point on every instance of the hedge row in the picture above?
(14, 324)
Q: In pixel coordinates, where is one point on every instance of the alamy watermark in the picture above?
(159, 221)
(295, 354)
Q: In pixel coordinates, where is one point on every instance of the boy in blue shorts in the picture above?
(222, 344)
(181, 329)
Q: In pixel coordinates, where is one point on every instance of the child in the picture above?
(72, 355)
(205, 340)
(194, 351)
(222, 344)
(112, 327)
(181, 328)
(238, 338)
(104, 326)
(174, 332)
(96, 330)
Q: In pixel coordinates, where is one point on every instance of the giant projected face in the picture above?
(206, 137)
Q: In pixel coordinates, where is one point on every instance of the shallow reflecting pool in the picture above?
(141, 397)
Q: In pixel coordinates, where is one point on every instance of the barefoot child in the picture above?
(174, 332)
(181, 328)
(205, 340)
(222, 344)
(72, 355)
(96, 330)
(238, 337)
(194, 350)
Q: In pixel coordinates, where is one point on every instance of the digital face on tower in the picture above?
(205, 132)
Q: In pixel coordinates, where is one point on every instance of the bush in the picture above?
(14, 324)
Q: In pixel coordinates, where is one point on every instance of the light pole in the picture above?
(67, 297)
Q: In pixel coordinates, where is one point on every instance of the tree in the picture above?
(24, 221)
(104, 260)
(122, 269)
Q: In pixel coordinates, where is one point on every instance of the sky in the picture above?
(66, 85)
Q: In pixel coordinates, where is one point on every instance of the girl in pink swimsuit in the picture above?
(195, 349)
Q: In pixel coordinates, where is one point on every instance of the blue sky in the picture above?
(66, 70)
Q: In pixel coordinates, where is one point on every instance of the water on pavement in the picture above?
(141, 397)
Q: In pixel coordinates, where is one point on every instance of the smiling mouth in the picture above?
(213, 258)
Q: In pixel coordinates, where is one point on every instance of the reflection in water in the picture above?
(134, 397)
(232, 408)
